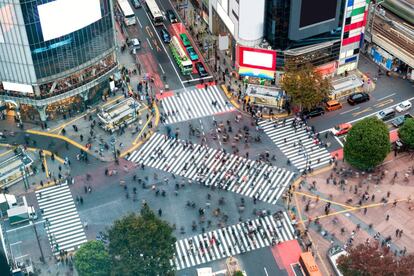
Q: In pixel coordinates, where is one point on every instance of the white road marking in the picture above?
(386, 97)
(339, 141)
(25, 226)
(193, 80)
(149, 43)
(139, 22)
(162, 69)
(353, 109)
(15, 243)
(265, 270)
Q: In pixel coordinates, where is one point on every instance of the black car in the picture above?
(136, 4)
(165, 35)
(314, 112)
(201, 70)
(357, 98)
(171, 16)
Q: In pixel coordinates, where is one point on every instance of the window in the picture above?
(235, 15)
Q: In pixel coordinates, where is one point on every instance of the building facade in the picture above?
(390, 36)
(55, 56)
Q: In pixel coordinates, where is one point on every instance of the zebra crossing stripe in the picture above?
(63, 226)
(298, 145)
(195, 103)
(213, 167)
(233, 240)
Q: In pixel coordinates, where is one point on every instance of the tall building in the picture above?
(55, 56)
(326, 33)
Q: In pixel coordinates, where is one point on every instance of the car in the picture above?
(341, 129)
(314, 112)
(134, 45)
(185, 40)
(399, 121)
(333, 105)
(136, 4)
(404, 106)
(192, 53)
(171, 16)
(357, 98)
(165, 35)
(386, 114)
(201, 69)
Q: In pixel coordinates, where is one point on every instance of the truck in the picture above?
(18, 214)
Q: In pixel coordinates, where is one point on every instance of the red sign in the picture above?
(256, 58)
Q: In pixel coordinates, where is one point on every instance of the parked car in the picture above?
(136, 4)
(333, 105)
(192, 53)
(386, 114)
(357, 98)
(185, 40)
(341, 129)
(399, 121)
(165, 35)
(404, 106)
(171, 16)
(201, 70)
(314, 112)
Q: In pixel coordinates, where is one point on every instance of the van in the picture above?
(333, 105)
(386, 114)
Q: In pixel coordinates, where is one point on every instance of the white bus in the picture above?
(154, 12)
(127, 12)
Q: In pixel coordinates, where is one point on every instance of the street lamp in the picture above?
(42, 257)
(24, 176)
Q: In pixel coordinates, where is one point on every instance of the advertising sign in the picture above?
(255, 62)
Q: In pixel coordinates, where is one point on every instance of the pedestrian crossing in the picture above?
(297, 141)
(192, 104)
(214, 168)
(233, 240)
(62, 223)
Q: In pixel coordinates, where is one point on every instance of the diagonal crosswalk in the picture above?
(233, 240)
(195, 103)
(62, 223)
(213, 167)
(297, 142)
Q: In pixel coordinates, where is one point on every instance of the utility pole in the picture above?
(42, 256)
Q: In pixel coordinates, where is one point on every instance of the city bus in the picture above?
(180, 56)
(154, 12)
(128, 14)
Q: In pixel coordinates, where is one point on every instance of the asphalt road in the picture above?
(389, 92)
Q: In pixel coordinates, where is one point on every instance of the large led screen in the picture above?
(62, 17)
(257, 58)
(316, 11)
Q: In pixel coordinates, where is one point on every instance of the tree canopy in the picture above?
(92, 258)
(406, 133)
(367, 144)
(142, 245)
(366, 260)
(306, 87)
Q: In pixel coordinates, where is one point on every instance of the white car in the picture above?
(404, 106)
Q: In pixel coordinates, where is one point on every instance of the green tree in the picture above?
(367, 144)
(141, 245)
(367, 260)
(92, 258)
(406, 133)
(306, 87)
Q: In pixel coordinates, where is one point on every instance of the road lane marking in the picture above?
(149, 43)
(147, 28)
(197, 79)
(265, 270)
(383, 98)
(362, 111)
(353, 109)
(384, 103)
(162, 69)
(139, 22)
(339, 141)
(15, 243)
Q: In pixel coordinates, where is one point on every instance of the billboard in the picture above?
(311, 12)
(62, 17)
(254, 62)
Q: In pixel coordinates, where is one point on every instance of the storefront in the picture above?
(265, 97)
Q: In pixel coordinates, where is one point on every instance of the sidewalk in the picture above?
(344, 207)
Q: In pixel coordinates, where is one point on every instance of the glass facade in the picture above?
(277, 34)
(54, 57)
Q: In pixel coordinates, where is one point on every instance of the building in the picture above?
(55, 56)
(299, 30)
(390, 36)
